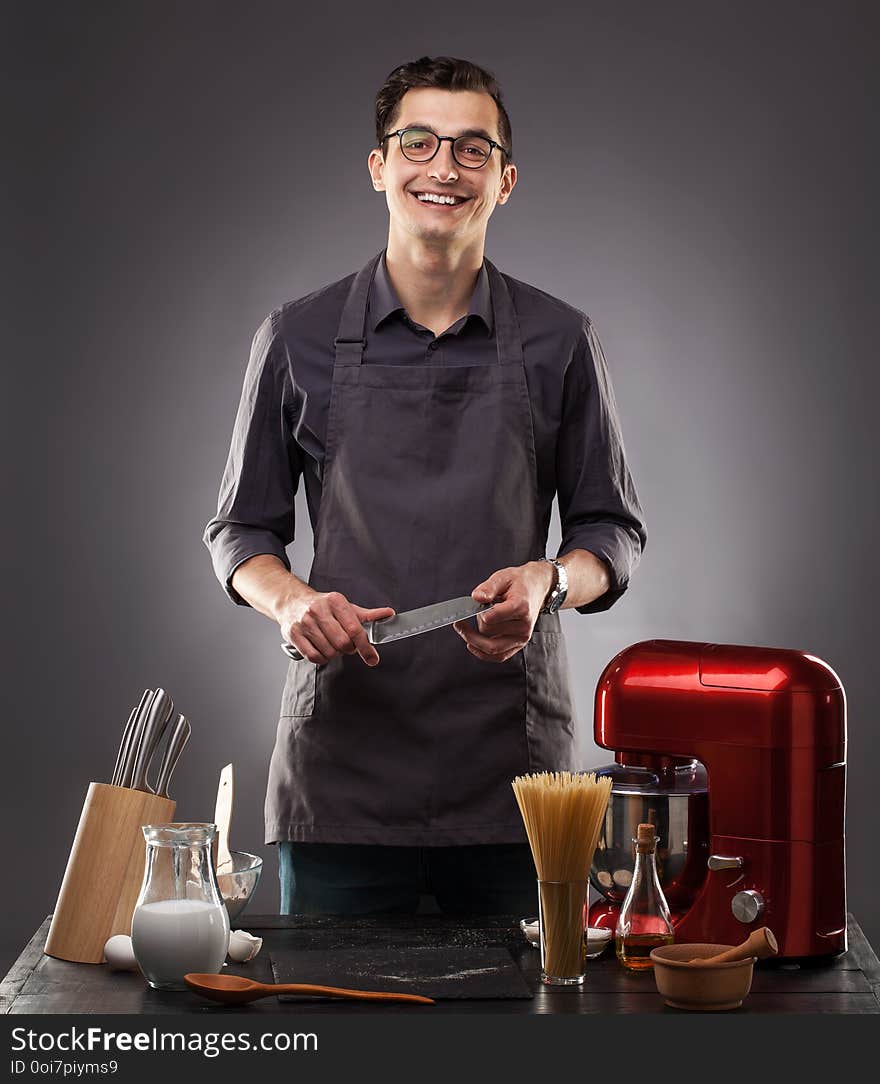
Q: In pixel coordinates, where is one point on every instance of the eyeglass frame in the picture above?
(445, 139)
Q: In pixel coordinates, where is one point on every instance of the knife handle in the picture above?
(157, 719)
(177, 739)
(290, 651)
(127, 772)
(122, 755)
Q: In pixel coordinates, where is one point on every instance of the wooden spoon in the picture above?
(760, 944)
(237, 990)
(222, 818)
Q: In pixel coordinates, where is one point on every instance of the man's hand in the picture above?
(518, 595)
(319, 625)
(322, 626)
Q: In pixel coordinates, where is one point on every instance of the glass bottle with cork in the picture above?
(644, 921)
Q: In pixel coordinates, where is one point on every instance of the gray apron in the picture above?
(429, 486)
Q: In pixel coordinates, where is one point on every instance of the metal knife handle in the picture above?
(126, 738)
(153, 739)
(292, 653)
(160, 712)
(127, 773)
(177, 739)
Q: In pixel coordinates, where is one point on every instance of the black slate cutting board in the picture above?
(440, 973)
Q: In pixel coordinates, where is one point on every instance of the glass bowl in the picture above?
(239, 883)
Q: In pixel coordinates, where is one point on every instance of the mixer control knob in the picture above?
(747, 906)
(723, 861)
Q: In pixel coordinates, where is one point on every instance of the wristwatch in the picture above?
(559, 590)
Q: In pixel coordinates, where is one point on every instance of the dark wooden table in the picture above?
(39, 984)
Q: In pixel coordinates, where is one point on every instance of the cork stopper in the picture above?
(646, 838)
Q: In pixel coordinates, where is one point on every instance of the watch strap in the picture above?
(559, 590)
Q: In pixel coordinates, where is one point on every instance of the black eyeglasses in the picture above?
(470, 151)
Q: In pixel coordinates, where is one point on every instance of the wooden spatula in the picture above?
(222, 818)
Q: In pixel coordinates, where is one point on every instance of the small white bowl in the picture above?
(597, 939)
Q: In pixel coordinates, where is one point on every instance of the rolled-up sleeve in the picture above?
(255, 510)
(598, 506)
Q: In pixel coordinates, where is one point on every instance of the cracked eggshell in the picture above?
(243, 946)
(119, 954)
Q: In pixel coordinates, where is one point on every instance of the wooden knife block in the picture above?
(104, 872)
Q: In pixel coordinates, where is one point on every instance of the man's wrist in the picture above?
(268, 585)
(291, 594)
(545, 575)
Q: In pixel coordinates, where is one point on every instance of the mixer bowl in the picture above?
(239, 884)
(674, 798)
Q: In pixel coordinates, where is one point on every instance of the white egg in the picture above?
(119, 954)
(243, 946)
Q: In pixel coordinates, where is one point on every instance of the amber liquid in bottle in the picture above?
(634, 952)
(644, 923)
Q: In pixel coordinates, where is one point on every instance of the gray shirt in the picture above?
(280, 429)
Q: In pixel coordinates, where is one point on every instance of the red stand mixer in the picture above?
(738, 756)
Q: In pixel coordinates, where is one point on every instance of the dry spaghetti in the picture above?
(563, 814)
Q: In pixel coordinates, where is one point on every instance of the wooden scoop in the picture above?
(223, 818)
(236, 990)
(760, 944)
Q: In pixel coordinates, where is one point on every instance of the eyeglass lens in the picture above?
(419, 145)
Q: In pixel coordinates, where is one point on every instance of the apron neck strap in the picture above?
(507, 337)
(351, 336)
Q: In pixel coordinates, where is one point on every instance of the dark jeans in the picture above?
(356, 879)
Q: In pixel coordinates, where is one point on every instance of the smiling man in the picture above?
(434, 409)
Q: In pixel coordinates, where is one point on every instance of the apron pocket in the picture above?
(298, 698)
(549, 712)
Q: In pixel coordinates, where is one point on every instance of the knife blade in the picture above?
(424, 619)
(413, 622)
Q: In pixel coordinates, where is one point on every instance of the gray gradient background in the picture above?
(695, 176)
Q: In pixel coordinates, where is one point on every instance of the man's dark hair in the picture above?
(444, 73)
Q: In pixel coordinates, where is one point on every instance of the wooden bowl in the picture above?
(708, 988)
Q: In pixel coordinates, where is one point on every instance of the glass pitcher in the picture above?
(180, 923)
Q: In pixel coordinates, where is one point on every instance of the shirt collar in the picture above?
(384, 300)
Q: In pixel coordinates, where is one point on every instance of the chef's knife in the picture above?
(177, 738)
(122, 755)
(160, 712)
(412, 622)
